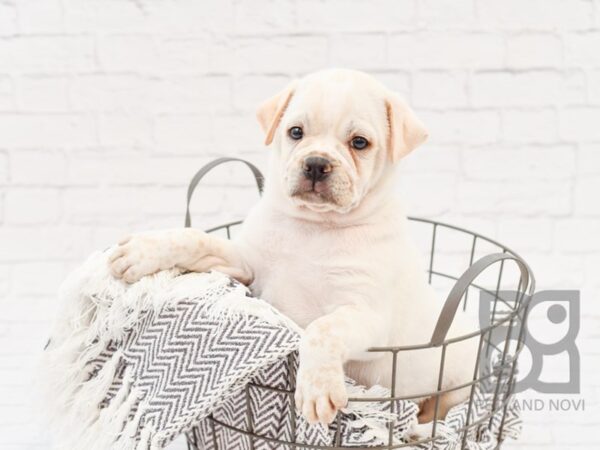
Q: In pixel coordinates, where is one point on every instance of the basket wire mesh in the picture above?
(508, 311)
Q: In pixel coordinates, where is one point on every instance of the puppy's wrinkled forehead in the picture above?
(330, 101)
(345, 102)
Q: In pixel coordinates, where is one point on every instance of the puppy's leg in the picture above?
(424, 427)
(193, 250)
(327, 344)
(427, 407)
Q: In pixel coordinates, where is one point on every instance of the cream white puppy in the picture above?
(328, 244)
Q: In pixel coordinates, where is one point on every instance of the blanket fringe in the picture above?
(97, 311)
(371, 417)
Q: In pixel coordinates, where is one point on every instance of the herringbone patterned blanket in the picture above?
(135, 366)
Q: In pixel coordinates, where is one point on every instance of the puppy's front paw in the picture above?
(320, 391)
(137, 256)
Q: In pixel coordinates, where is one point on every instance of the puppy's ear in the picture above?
(270, 112)
(406, 132)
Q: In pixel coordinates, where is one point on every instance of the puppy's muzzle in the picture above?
(316, 168)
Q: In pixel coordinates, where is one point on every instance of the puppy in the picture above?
(328, 245)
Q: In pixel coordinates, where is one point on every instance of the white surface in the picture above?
(107, 108)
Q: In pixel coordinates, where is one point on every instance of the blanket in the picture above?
(135, 366)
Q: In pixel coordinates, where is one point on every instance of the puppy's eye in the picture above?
(296, 133)
(359, 143)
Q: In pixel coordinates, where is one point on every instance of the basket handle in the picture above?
(462, 284)
(258, 176)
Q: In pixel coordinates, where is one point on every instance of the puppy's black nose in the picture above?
(316, 168)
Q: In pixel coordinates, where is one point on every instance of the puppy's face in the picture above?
(335, 131)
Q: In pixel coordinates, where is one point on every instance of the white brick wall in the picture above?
(107, 107)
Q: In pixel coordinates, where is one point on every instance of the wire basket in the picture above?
(465, 265)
